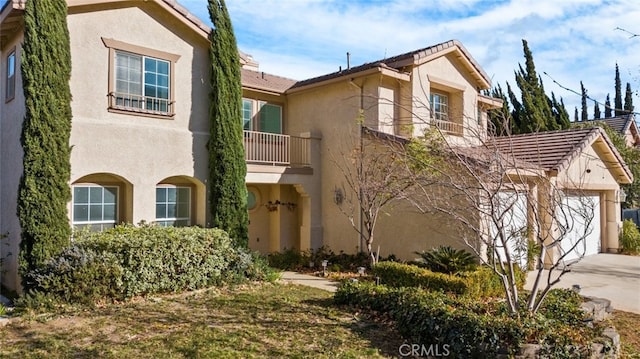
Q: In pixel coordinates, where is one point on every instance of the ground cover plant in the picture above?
(470, 328)
(262, 320)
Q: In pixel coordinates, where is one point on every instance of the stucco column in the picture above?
(305, 219)
(274, 221)
(612, 220)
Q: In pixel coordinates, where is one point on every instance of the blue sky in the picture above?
(571, 40)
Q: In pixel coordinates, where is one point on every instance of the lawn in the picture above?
(257, 321)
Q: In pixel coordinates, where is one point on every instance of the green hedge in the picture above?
(471, 328)
(482, 282)
(127, 261)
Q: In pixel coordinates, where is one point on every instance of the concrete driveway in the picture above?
(612, 276)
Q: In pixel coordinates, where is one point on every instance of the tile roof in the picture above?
(396, 62)
(265, 82)
(554, 150)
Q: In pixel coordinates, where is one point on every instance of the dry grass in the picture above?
(259, 321)
(628, 326)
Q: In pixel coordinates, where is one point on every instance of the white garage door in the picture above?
(579, 216)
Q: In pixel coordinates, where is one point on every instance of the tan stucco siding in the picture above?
(331, 112)
(143, 150)
(11, 117)
(588, 172)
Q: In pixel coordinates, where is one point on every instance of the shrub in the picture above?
(404, 275)
(470, 328)
(448, 260)
(293, 259)
(127, 261)
(630, 237)
(78, 275)
(482, 282)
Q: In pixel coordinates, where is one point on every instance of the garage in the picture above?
(579, 219)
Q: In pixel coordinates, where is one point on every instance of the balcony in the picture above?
(276, 150)
(449, 128)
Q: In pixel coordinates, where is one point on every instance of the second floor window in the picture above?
(142, 82)
(439, 106)
(11, 76)
(261, 116)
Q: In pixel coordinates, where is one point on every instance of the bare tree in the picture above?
(373, 177)
(509, 211)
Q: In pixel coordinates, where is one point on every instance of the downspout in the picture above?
(361, 124)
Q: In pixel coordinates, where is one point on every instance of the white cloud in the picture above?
(571, 40)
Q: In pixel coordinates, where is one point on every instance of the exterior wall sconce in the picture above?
(622, 195)
(338, 196)
(273, 206)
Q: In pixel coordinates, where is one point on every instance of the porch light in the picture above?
(338, 196)
(622, 195)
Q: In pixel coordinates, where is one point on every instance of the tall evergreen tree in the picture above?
(500, 118)
(596, 110)
(227, 167)
(585, 114)
(44, 187)
(575, 115)
(560, 112)
(607, 107)
(628, 99)
(618, 109)
(516, 113)
(536, 112)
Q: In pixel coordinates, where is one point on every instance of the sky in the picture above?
(571, 40)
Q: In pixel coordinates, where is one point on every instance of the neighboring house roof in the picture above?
(416, 57)
(262, 81)
(620, 123)
(555, 150)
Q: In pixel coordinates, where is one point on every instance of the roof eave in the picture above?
(382, 70)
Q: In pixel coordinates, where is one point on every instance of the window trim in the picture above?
(189, 215)
(90, 223)
(10, 80)
(172, 59)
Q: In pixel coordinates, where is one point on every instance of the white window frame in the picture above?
(10, 86)
(247, 114)
(141, 100)
(100, 224)
(439, 108)
(163, 221)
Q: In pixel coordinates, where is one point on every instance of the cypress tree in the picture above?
(584, 116)
(44, 186)
(628, 99)
(575, 115)
(596, 110)
(227, 168)
(536, 113)
(618, 99)
(607, 107)
(560, 112)
(500, 118)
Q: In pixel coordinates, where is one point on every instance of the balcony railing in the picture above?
(277, 150)
(447, 127)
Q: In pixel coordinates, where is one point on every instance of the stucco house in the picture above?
(139, 142)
